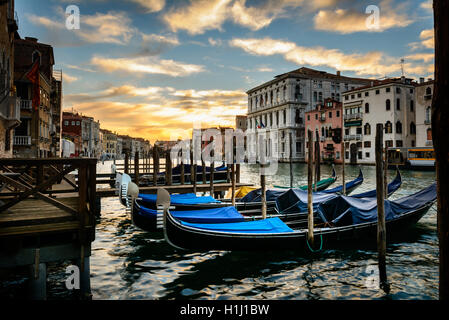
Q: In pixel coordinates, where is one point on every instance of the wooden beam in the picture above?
(440, 120)
(381, 228)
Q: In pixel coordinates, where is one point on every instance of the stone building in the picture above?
(326, 121)
(39, 133)
(276, 109)
(424, 96)
(9, 103)
(390, 102)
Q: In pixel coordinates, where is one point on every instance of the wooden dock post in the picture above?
(291, 160)
(234, 157)
(386, 174)
(440, 119)
(155, 164)
(317, 160)
(237, 174)
(203, 173)
(168, 168)
(183, 170)
(310, 236)
(126, 170)
(343, 150)
(136, 168)
(381, 229)
(212, 169)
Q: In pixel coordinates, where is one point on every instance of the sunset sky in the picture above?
(152, 68)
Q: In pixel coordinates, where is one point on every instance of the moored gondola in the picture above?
(150, 219)
(320, 185)
(273, 234)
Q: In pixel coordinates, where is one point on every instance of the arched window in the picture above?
(266, 98)
(261, 101)
(412, 128)
(398, 127)
(277, 95)
(429, 134)
(297, 92)
(366, 107)
(367, 129)
(388, 104)
(428, 91)
(36, 56)
(398, 104)
(284, 93)
(271, 98)
(388, 127)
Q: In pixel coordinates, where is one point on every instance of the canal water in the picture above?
(128, 263)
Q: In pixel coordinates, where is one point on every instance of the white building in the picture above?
(390, 102)
(277, 108)
(424, 96)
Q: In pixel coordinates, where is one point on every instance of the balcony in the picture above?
(26, 104)
(355, 116)
(22, 140)
(428, 97)
(353, 137)
(10, 109)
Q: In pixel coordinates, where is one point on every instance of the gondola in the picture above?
(348, 219)
(320, 185)
(151, 219)
(252, 201)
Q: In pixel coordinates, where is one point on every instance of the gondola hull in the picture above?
(185, 237)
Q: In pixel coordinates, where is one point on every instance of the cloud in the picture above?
(373, 63)
(111, 27)
(151, 5)
(347, 21)
(428, 38)
(202, 15)
(146, 65)
(174, 111)
(68, 78)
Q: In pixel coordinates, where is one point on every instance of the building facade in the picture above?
(390, 102)
(424, 96)
(241, 122)
(276, 109)
(326, 122)
(39, 133)
(9, 103)
(90, 132)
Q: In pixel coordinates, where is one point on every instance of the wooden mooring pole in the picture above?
(310, 236)
(381, 229)
(440, 120)
(317, 160)
(168, 168)
(155, 164)
(343, 150)
(136, 168)
(126, 170)
(291, 160)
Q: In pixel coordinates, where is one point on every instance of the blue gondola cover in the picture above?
(272, 225)
(187, 198)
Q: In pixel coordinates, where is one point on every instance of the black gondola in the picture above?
(273, 234)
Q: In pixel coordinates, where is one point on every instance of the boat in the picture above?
(348, 219)
(149, 219)
(320, 185)
(416, 158)
(252, 201)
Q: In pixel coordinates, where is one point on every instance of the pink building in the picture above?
(326, 120)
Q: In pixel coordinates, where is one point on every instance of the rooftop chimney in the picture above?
(421, 80)
(338, 73)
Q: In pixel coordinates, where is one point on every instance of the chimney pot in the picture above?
(338, 73)
(421, 80)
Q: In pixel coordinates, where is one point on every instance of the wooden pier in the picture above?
(36, 227)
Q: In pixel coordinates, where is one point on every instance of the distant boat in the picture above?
(343, 218)
(320, 185)
(417, 158)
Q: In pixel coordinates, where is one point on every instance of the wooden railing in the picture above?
(22, 179)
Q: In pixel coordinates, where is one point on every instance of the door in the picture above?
(353, 153)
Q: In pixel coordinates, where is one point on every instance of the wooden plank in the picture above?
(41, 229)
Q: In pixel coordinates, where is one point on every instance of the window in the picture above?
(347, 155)
(359, 130)
(388, 105)
(308, 117)
(285, 116)
(367, 155)
(316, 116)
(77, 123)
(411, 91)
(352, 96)
(398, 90)
(428, 91)
(412, 106)
(413, 143)
(360, 155)
(387, 89)
(367, 144)
(338, 114)
(377, 91)
(346, 97)
(399, 144)
(388, 127)
(367, 129)
(412, 128)
(330, 114)
(366, 107)
(398, 127)
(66, 123)
(389, 143)
(347, 132)
(428, 114)
(398, 104)
(73, 123)
(297, 92)
(429, 134)
(367, 94)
